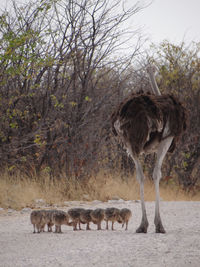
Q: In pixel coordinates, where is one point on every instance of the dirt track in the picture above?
(180, 246)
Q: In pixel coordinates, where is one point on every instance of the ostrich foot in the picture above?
(158, 224)
(142, 228)
(160, 229)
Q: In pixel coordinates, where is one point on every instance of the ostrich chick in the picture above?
(97, 216)
(75, 214)
(125, 215)
(113, 215)
(85, 217)
(58, 218)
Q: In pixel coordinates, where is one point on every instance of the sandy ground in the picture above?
(180, 246)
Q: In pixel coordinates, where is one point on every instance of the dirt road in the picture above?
(179, 247)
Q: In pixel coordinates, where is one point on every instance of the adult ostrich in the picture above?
(149, 123)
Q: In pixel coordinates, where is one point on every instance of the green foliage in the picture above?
(13, 125)
(38, 140)
(47, 170)
(20, 49)
(56, 102)
(179, 74)
(179, 67)
(73, 103)
(87, 98)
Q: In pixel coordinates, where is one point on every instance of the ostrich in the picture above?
(149, 123)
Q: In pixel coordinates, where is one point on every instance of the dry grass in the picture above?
(18, 192)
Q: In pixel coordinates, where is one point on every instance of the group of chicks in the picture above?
(76, 216)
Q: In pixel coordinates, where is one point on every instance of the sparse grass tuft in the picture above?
(18, 192)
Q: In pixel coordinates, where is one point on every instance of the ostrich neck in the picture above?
(154, 85)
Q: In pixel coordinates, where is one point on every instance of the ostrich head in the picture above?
(151, 69)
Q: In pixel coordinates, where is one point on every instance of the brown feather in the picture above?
(143, 118)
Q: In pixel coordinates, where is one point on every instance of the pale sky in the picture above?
(174, 20)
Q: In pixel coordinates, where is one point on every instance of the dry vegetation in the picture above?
(60, 80)
(23, 192)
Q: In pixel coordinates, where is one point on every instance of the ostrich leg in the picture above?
(140, 177)
(162, 150)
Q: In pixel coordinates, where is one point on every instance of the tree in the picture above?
(58, 74)
(179, 70)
